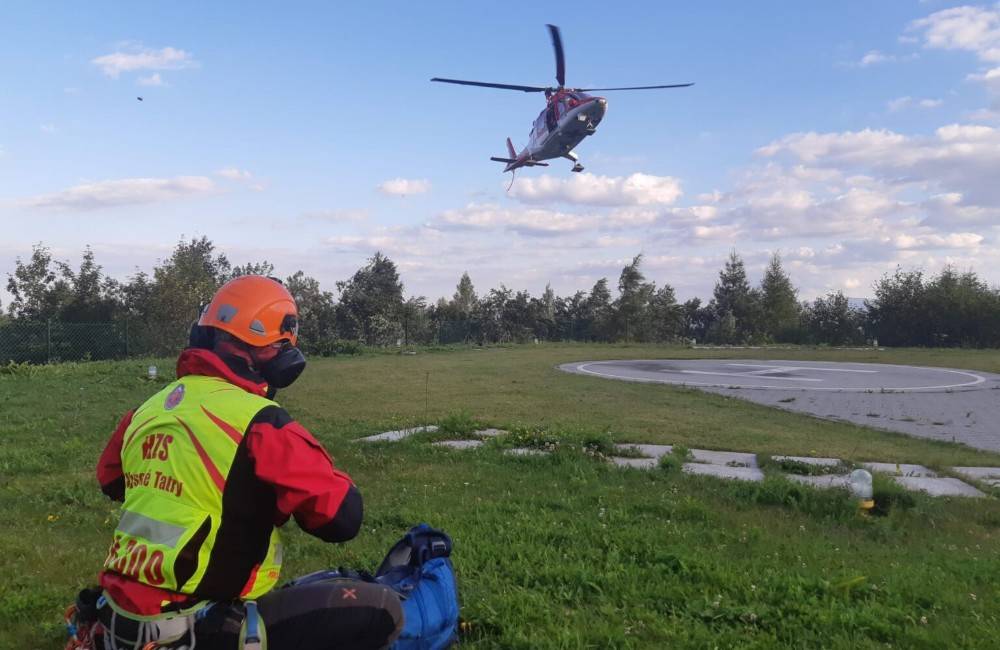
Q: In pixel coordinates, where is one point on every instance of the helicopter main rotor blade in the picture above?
(525, 89)
(560, 59)
(584, 90)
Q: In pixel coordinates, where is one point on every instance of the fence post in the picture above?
(126, 338)
(48, 341)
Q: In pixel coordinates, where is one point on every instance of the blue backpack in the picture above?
(419, 569)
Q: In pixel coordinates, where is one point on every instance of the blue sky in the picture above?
(851, 137)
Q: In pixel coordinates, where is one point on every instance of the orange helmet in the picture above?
(258, 311)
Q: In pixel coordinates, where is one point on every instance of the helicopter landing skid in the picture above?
(577, 167)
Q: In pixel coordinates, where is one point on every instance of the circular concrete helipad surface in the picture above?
(936, 403)
(784, 375)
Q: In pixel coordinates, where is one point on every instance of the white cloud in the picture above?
(989, 114)
(990, 77)
(337, 215)
(610, 241)
(968, 29)
(972, 29)
(529, 222)
(726, 233)
(950, 240)
(950, 208)
(242, 176)
(900, 103)
(873, 57)
(234, 174)
(152, 80)
(137, 58)
(125, 191)
(404, 186)
(958, 157)
(631, 218)
(588, 189)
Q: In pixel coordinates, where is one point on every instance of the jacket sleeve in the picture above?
(323, 500)
(109, 465)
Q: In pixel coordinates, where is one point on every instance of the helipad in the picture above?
(784, 375)
(937, 403)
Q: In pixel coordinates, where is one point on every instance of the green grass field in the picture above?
(561, 551)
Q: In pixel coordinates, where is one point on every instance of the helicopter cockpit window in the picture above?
(539, 125)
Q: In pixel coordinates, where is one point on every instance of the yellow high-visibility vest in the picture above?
(176, 457)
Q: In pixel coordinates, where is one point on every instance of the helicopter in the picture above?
(570, 115)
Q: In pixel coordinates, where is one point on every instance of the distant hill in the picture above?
(856, 303)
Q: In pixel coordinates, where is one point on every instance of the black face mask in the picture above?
(285, 368)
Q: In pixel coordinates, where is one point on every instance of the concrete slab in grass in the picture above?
(992, 482)
(489, 433)
(724, 471)
(394, 436)
(525, 451)
(979, 473)
(809, 460)
(938, 487)
(650, 451)
(900, 469)
(725, 458)
(824, 481)
(638, 463)
(459, 444)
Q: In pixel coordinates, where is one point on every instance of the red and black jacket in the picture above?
(280, 471)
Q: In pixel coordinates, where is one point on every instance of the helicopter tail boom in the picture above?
(515, 161)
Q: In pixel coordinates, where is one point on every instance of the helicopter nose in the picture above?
(602, 106)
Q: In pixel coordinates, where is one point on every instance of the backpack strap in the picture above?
(253, 635)
(419, 545)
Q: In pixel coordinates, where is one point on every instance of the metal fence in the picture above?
(23, 341)
(54, 341)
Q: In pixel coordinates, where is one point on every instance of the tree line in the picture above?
(951, 308)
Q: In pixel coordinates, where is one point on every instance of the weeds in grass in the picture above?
(789, 466)
(674, 461)
(458, 423)
(779, 491)
(889, 495)
(532, 437)
(599, 446)
(627, 451)
(682, 452)
(19, 369)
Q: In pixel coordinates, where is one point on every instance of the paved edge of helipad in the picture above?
(959, 415)
(976, 380)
